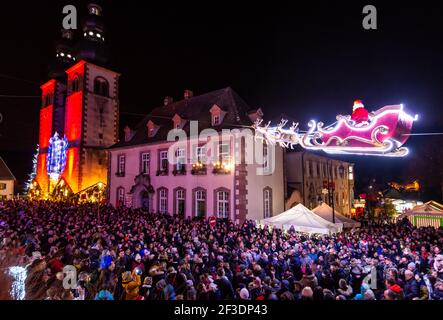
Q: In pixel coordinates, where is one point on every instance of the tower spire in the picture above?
(92, 46)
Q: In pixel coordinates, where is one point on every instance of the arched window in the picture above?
(162, 200)
(75, 84)
(199, 205)
(180, 201)
(47, 100)
(267, 202)
(101, 86)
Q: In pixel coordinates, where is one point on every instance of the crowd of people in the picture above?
(129, 254)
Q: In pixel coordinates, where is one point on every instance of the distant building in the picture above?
(140, 174)
(310, 179)
(7, 181)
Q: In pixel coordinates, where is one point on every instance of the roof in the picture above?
(192, 109)
(325, 211)
(430, 208)
(303, 220)
(5, 173)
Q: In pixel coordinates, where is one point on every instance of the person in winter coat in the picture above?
(131, 283)
(411, 288)
(224, 285)
(308, 279)
(344, 289)
(437, 293)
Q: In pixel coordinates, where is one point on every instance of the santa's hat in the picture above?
(358, 104)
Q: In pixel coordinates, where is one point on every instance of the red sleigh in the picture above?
(384, 134)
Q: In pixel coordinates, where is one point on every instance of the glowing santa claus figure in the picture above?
(359, 114)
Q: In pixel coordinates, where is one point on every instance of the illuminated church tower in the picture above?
(83, 107)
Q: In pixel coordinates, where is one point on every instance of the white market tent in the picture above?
(427, 214)
(302, 219)
(325, 212)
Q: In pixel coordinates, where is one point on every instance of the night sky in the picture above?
(307, 62)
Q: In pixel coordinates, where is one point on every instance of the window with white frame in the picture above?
(351, 173)
(267, 202)
(180, 201)
(222, 204)
(163, 200)
(181, 159)
(200, 153)
(163, 155)
(200, 203)
(223, 151)
(265, 157)
(145, 161)
(121, 165)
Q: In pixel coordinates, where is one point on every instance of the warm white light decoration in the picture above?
(19, 275)
(382, 133)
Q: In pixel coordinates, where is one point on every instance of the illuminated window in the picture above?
(145, 160)
(2, 186)
(94, 10)
(222, 205)
(162, 200)
(267, 202)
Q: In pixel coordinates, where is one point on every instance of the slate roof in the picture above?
(5, 173)
(192, 109)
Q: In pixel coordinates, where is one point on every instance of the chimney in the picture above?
(128, 133)
(188, 94)
(168, 100)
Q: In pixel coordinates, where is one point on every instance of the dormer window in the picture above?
(152, 128)
(217, 115)
(178, 121)
(216, 120)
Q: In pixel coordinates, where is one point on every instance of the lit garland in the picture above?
(32, 175)
(18, 285)
(382, 134)
(56, 160)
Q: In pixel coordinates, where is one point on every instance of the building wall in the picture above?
(209, 182)
(308, 172)
(257, 183)
(8, 192)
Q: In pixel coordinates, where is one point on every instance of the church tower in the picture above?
(80, 103)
